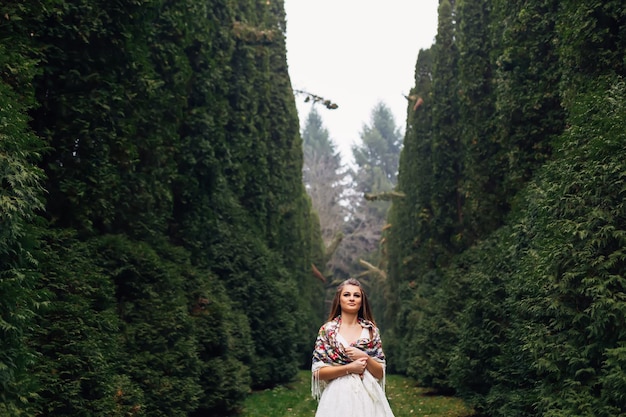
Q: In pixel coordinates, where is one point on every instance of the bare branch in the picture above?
(317, 274)
(387, 195)
(316, 99)
(371, 269)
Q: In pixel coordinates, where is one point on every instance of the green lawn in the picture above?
(405, 398)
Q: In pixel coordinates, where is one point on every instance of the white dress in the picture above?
(351, 396)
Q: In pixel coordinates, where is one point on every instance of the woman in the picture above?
(348, 361)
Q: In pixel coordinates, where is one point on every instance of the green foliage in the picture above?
(409, 255)
(266, 304)
(224, 346)
(241, 167)
(489, 365)
(431, 180)
(483, 197)
(434, 331)
(580, 260)
(157, 328)
(21, 199)
(591, 43)
(110, 127)
(514, 298)
(528, 102)
(173, 169)
(81, 366)
(446, 157)
(538, 305)
(136, 333)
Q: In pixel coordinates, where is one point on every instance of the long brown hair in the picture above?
(365, 312)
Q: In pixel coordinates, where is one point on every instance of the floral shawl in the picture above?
(329, 351)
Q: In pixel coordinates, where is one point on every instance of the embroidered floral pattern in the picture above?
(329, 351)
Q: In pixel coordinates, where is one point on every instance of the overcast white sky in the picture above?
(356, 53)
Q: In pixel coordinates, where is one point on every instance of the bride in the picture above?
(348, 361)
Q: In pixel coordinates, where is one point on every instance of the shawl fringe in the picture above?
(329, 352)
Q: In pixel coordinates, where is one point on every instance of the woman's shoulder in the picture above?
(367, 323)
(329, 325)
(371, 328)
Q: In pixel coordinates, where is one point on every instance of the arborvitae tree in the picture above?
(431, 339)
(482, 369)
(591, 44)
(83, 368)
(529, 114)
(293, 243)
(564, 305)
(21, 199)
(408, 251)
(312, 309)
(580, 247)
(446, 200)
(164, 122)
(526, 321)
(108, 113)
(240, 203)
(462, 188)
(484, 206)
(490, 366)
(157, 327)
(224, 345)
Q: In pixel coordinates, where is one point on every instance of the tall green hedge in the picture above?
(527, 318)
(580, 224)
(81, 368)
(178, 240)
(21, 201)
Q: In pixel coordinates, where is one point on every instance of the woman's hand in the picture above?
(373, 366)
(355, 353)
(358, 366)
(359, 360)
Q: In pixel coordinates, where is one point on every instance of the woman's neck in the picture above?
(349, 319)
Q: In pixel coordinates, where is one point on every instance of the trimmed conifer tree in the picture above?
(524, 322)
(21, 202)
(83, 367)
(446, 200)
(529, 113)
(483, 201)
(240, 203)
(432, 332)
(408, 253)
(173, 148)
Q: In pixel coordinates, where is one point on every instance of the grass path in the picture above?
(405, 398)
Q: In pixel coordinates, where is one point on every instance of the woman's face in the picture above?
(350, 299)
